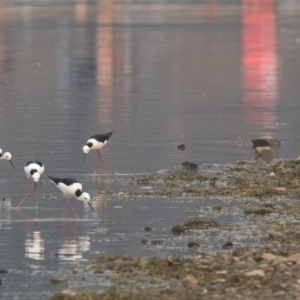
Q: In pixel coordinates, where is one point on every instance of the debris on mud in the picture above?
(267, 267)
(181, 147)
(251, 275)
(239, 179)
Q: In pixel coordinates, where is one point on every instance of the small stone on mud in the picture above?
(58, 281)
(268, 256)
(274, 235)
(264, 151)
(158, 243)
(181, 147)
(144, 241)
(280, 191)
(178, 229)
(295, 258)
(227, 245)
(258, 210)
(147, 228)
(188, 165)
(259, 273)
(216, 207)
(189, 280)
(272, 174)
(69, 293)
(238, 252)
(193, 245)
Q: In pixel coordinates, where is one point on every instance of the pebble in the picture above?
(258, 210)
(193, 245)
(188, 165)
(189, 280)
(58, 281)
(238, 252)
(259, 273)
(216, 207)
(264, 151)
(295, 258)
(274, 235)
(268, 256)
(178, 229)
(147, 228)
(158, 242)
(181, 147)
(280, 191)
(144, 241)
(227, 245)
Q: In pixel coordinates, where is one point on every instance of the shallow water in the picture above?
(209, 74)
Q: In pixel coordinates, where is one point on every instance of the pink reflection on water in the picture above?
(259, 61)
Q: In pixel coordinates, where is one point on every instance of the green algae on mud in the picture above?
(246, 179)
(243, 274)
(266, 193)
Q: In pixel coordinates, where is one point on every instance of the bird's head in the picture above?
(86, 149)
(8, 157)
(84, 197)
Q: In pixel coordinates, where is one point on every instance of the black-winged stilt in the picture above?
(33, 169)
(71, 187)
(96, 142)
(6, 156)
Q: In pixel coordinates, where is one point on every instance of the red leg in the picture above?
(74, 227)
(73, 209)
(100, 157)
(99, 162)
(63, 214)
(27, 194)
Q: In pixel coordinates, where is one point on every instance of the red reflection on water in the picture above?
(259, 61)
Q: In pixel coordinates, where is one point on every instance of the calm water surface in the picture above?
(158, 73)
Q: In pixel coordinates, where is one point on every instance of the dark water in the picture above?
(158, 73)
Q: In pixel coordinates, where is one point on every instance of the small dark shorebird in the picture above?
(33, 169)
(6, 156)
(96, 142)
(71, 187)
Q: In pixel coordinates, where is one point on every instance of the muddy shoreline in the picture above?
(265, 194)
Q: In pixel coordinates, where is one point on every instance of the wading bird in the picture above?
(6, 156)
(71, 187)
(96, 142)
(33, 169)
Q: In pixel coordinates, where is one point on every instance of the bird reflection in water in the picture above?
(35, 246)
(72, 249)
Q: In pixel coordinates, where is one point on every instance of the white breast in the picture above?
(96, 145)
(69, 190)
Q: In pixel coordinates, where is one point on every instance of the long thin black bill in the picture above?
(35, 186)
(91, 206)
(12, 164)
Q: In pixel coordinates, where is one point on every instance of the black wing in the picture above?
(66, 181)
(101, 137)
(34, 162)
